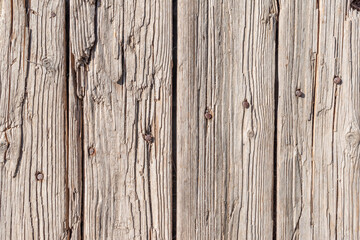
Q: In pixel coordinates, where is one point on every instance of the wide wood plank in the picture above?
(226, 55)
(317, 169)
(33, 154)
(122, 62)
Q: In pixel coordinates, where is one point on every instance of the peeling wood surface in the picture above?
(94, 143)
(123, 77)
(226, 54)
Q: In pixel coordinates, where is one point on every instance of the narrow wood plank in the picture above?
(33, 120)
(226, 54)
(317, 175)
(347, 133)
(75, 153)
(123, 75)
(297, 63)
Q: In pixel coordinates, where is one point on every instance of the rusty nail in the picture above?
(91, 151)
(337, 80)
(299, 93)
(39, 176)
(208, 114)
(355, 5)
(149, 138)
(246, 104)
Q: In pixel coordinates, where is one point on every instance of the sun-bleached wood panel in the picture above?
(225, 119)
(297, 69)
(122, 53)
(33, 105)
(347, 134)
(318, 136)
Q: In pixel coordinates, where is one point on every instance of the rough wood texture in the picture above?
(75, 154)
(122, 54)
(347, 136)
(86, 101)
(226, 54)
(32, 120)
(318, 133)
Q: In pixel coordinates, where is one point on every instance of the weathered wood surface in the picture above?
(86, 99)
(122, 55)
(318, 133)
(226, 54)
(33, 120)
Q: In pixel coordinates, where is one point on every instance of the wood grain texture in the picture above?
(33, 120)
(125, 84)
(297, 62)
(75, 143)
(347, 134)
(226, 54)
(86, 100)
(82, 35)
(317, 169)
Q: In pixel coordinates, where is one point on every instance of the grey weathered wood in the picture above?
(86, 99)
(122, 55)
(75, 154)
(226, 53)
(297, 66)
(347, 133)
(318, 134)
(32, 120)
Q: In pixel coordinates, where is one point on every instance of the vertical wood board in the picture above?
(33, 122)
(317, 169)
(122, 59)
(226, 54)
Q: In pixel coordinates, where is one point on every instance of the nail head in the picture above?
(298, 93)
(246, 104)
(208, 115)
(91, 151)
(39, 176)
(337, 80)
(149, 138)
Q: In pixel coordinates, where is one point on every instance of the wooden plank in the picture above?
(75, 153)
(33, 120)
(297, 58)
(226, 54)
(317, 133)
(122, 54)
(347, 133)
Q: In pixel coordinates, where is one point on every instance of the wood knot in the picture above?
(4, 144)
(250, 134)
(47, 64)
(353, 138)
